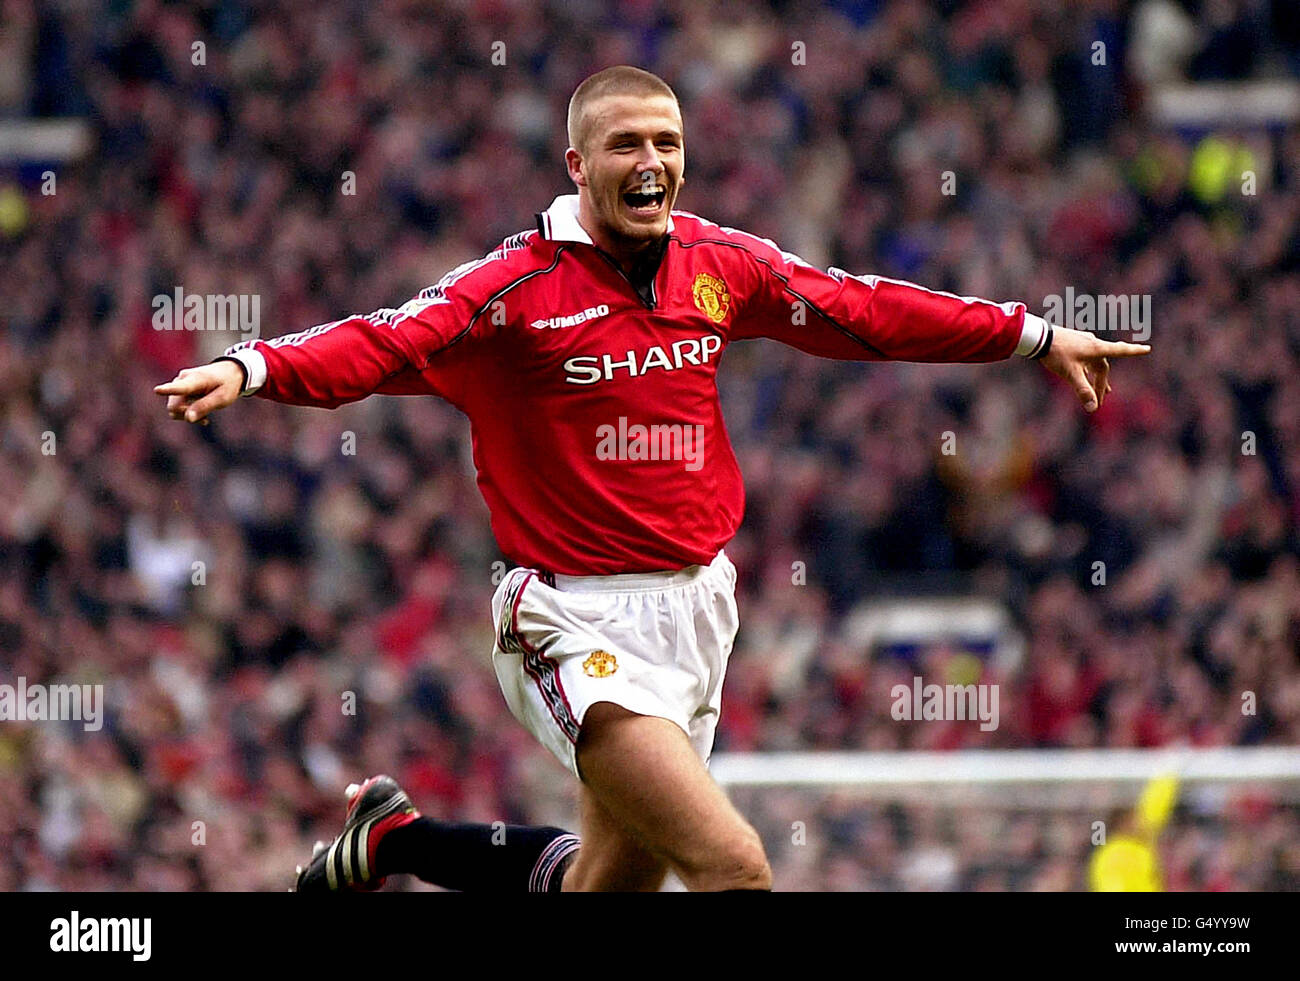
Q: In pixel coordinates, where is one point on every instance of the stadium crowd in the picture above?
(290, 599)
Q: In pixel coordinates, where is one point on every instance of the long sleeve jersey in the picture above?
(597, 430)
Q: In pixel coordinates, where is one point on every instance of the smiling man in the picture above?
(614, 117)
(613, 633)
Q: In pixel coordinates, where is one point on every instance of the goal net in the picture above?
(998, 820)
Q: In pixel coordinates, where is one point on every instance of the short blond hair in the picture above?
(619, 80)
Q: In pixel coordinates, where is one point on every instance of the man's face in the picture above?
(632, 169)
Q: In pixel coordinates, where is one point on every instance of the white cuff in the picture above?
(255, 364)
(1031, 334)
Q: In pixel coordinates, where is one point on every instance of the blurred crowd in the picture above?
(273, 615)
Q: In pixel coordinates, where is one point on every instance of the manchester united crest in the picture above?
(711, 297)
(600, 664)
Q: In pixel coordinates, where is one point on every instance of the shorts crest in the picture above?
(600, 664)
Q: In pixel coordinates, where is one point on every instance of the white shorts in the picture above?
(655, 643)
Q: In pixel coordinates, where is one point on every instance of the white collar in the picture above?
(560, 222)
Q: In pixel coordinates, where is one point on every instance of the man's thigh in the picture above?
(645, 775)
(611, 859)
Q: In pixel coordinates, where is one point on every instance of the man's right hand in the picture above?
(196, 393)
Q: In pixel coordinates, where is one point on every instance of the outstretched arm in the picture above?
(323, 366)
(335, 363)
(872, 318)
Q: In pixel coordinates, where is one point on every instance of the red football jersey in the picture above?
(597, 429)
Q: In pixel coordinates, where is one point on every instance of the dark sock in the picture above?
(478, 857)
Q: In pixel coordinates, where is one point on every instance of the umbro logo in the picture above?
(591, 313)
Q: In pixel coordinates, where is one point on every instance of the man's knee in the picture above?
(739, 863)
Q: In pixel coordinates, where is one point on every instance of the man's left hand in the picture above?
(1082, 359)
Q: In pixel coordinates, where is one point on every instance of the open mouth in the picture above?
(646, 202)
